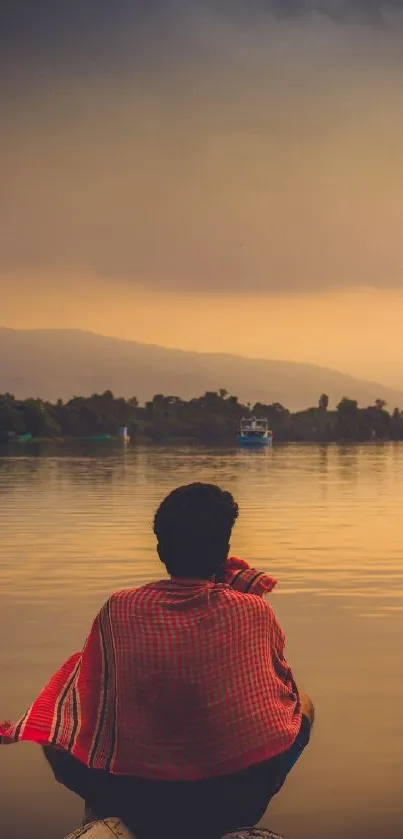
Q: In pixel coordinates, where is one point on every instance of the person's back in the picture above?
(202, 681)
(181, 704)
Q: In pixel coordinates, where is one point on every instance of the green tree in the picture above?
(347, 410)
(39, 419)
(347, 407)
(11, 416)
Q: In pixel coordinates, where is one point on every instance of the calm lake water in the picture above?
(327, 522)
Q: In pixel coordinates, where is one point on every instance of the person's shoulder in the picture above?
(130, 595)
(245, 600)
(255, 605)
(121, 595)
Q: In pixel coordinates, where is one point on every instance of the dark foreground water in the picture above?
(328, 522)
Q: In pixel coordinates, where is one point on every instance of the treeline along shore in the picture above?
(211, 418)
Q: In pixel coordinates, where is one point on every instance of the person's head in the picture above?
(193, 527)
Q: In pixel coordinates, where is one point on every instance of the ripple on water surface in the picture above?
(325, 521)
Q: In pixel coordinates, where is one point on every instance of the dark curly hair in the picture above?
(193, 526)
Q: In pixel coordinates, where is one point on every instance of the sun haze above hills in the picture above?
(59, 363)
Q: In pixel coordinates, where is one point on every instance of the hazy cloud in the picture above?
(200, 145)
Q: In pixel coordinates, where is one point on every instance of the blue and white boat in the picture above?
(254, 433)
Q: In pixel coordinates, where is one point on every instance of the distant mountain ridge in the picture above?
(60, 363)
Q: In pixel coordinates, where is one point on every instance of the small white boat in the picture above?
(124, 435)
(254, 433)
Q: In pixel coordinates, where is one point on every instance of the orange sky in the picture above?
(206, 180)
(355, 331)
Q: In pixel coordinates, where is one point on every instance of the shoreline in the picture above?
(15, 445)
(214, 418)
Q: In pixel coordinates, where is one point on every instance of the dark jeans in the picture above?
(148, 808)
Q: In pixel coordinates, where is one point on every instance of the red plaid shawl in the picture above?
(178, 680)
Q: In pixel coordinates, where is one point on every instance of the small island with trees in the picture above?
(208, 419)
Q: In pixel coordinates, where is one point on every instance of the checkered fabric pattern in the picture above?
(109, 828)
(178, 680)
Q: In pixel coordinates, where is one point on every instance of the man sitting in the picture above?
(181, 714)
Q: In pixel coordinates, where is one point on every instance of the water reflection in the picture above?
(326, 521)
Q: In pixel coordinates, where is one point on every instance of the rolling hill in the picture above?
(58, 363)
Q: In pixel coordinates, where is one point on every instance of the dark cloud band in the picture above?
(207, 147)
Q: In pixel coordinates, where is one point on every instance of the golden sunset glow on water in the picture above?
(325, 521)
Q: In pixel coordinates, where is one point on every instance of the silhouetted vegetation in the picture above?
(211, 418)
